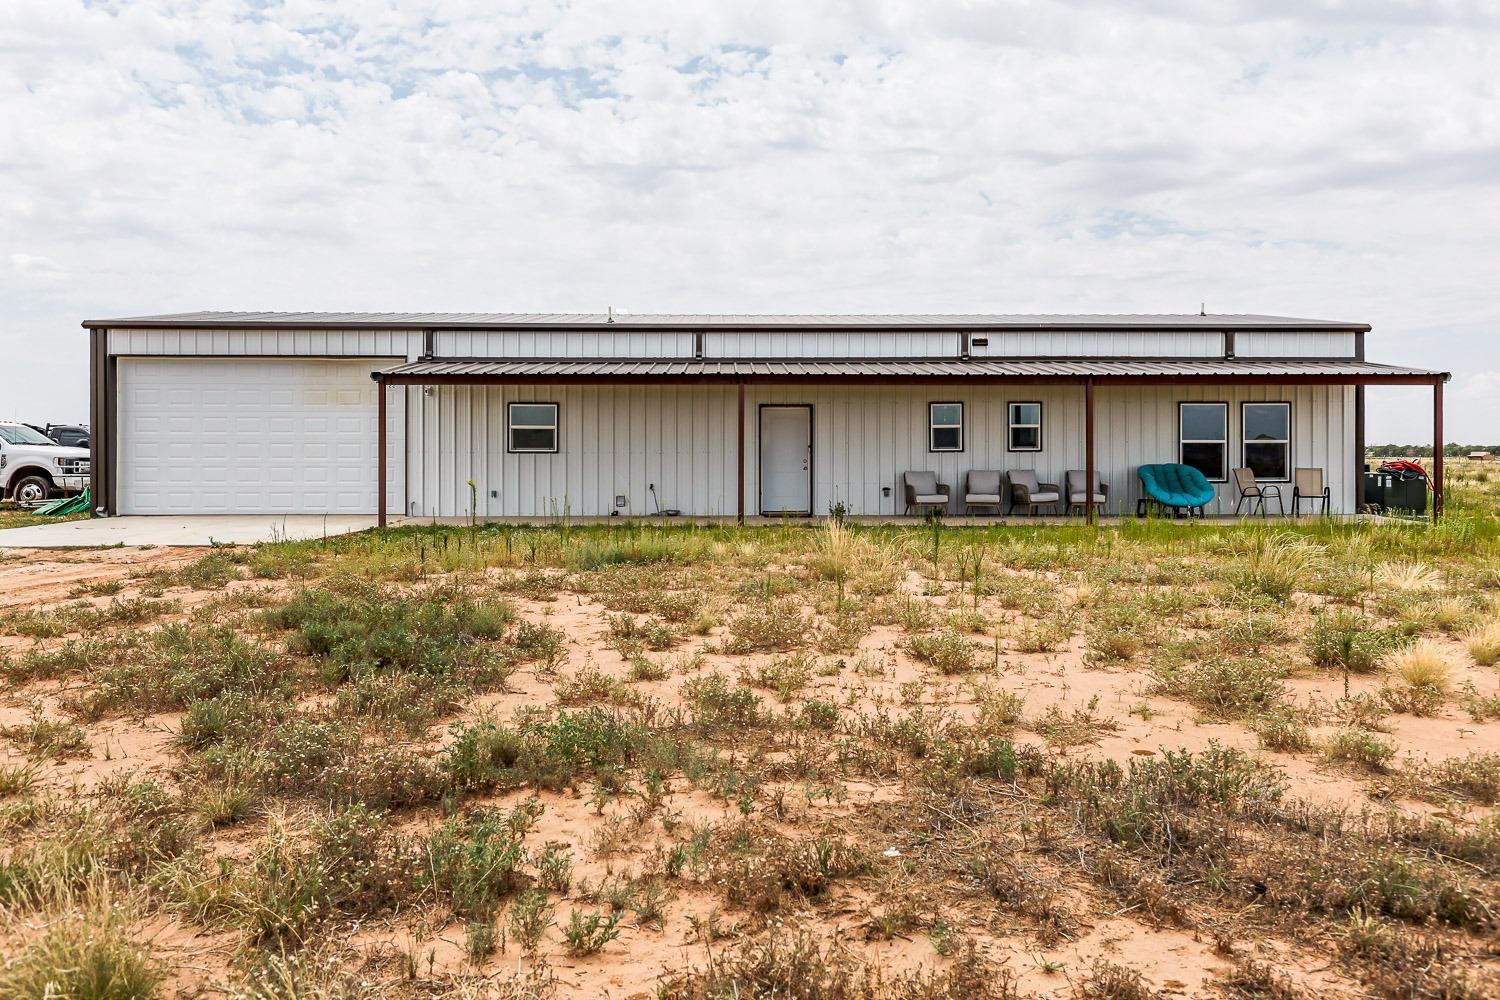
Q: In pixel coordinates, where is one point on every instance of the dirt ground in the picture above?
(831, 785)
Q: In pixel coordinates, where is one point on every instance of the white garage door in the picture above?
(252, 436)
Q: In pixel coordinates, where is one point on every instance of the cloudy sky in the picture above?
(1327, 159)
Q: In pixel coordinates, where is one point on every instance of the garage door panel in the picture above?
(251, 435)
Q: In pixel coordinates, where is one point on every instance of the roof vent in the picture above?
(611, 317)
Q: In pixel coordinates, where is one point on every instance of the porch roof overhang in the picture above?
(876, 371)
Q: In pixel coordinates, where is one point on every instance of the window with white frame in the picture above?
(532, 427)
(1204, 438)
(1267, 431)
(1023, 427)
(945, 427)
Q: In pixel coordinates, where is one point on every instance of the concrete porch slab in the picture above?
(197, 529)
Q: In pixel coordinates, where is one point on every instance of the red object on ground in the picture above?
(1406, 469)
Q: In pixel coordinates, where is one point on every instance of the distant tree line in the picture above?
(1425, 450)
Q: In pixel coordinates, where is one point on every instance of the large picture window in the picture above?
(1203, 430)
(532, 427)
(1267, 429)
(1023, 427)
(945, 427)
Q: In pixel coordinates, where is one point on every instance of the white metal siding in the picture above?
(403, 344)
(1104, 344)
(830, 344)
(619, 439)
(1301, 344)
(214, 435)
(615, 440)
(561, 344)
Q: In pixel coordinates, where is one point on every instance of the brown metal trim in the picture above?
(429, 344)
(1359, 345)
(1062, 359)
(98, 422)
(1090, 514)
(111, 435)
(1359, 448)
(393, 358)
(911, 380)
(740, 470)
(620, 323)
(1229, 345)
(698, 339)
(380, 459)
(1437, 449)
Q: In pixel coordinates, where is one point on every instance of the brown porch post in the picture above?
(1437, 448)
(1088, 452)
(380, 447)
(740, 466)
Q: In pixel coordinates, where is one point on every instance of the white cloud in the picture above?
(1324, 159)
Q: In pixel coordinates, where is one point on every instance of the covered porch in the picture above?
(632, 437)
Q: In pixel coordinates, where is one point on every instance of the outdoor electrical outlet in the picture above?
(494, 494)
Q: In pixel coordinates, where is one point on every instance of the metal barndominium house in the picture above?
(713, 415)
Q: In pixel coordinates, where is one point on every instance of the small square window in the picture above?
(533, 427)
(945, 427)
(1023, 427)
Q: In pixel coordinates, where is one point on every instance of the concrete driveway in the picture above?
(198, 529)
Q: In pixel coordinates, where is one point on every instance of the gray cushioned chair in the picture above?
(982, 489)
(1026, 492)
(924, 492)
(1077, 498)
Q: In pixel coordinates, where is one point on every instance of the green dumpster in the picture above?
(1395, 493)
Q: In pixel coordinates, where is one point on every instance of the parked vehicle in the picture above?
(33, 467)
(71, 435)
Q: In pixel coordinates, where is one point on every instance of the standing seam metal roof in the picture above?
(734, 321)
(894, 368)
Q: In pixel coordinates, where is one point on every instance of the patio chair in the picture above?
(924, 492)
(1181, 489)
(1308, 484)
(1254, 493)
(1077, 497)
(1026, 492)
(982, 489)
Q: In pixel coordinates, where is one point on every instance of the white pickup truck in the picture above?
(33, 467)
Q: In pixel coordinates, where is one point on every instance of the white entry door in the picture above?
(253, 436)
(786, 459)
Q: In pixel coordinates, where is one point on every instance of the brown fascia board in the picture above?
(624, 324)
(1098, 380)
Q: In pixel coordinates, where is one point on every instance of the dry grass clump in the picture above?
(1423, 675)
(1483, 644)
(1276, 566)
(793, 965)
(87, 955)
(1106, 980)
(1408, 576)
(1422, 664)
